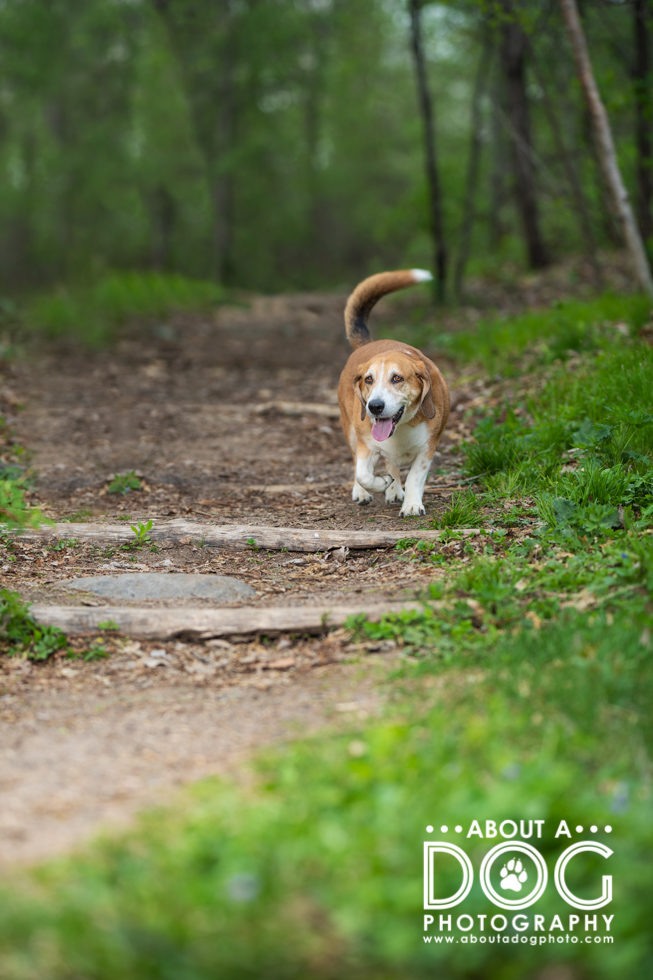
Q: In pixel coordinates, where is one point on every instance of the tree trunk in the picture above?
(472, 169)
(223, 182)
(514, 66)
(432, 176)
(606, 149)
(162, 219)
(575, 187)
(643, 82)
(499, 168)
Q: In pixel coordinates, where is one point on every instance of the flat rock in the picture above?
(164, 585)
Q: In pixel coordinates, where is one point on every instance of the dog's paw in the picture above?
(394, 494)
(412, 510)
(374, 484)
(359, 495)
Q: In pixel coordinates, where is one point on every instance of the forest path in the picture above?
(186, 404)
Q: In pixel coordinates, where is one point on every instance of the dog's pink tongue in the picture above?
(381, 429)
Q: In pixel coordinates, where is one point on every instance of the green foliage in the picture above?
(141, 532)
(583, 446)
(96, 651)
(116, 159)
(124, 482)
(464, 511)
(20, 634)
(14, 511)
(510, 343)
(93, 313)
(108, 624)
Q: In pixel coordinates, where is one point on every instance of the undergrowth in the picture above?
(15, 513)
(21, 634)
(91, 313)
(511, 344)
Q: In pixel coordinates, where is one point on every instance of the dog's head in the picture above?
(392, 388)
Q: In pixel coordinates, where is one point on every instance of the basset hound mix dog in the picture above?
(394, 403)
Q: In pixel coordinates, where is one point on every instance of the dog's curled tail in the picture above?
(368, 292)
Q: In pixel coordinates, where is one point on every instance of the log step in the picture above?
(236, 536)
(169, 622)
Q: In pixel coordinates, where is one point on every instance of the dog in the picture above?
(394, 403)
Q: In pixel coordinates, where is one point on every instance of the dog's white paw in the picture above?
(359, 495)
(412, 509)
(375, 484)
(394, 494)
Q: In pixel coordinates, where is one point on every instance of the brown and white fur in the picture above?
(394, 403)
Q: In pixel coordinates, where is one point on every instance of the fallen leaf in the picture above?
(283, 663)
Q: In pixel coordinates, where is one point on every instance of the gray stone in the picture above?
(164, 585)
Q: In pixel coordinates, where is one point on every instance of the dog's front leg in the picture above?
(365, 476)
(394, 493)
(415, 481)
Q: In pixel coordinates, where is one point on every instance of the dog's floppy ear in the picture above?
(426, 405)
(359, 394)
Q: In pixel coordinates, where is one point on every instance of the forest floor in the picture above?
(190, 406)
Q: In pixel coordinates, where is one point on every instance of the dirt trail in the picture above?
(85, 745)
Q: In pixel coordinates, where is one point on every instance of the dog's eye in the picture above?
(369, 379)
(396, 378)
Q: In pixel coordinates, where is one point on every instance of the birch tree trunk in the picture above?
(606, 149)
(432, 176)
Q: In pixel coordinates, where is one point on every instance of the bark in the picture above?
(606, 150)
(513, 51)
(231, 536)
(167, 623)
(643, 83)
(473, 167)
(430, 153)
(223, 185)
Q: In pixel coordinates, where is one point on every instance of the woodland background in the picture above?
(274, 145)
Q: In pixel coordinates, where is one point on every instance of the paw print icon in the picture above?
(513, 875)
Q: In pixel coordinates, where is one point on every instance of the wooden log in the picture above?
(236, 536)
(165, 623)
(299, 408)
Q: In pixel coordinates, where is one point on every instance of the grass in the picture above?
(524, 691)
(544, 336)
(92, 313)
(464, 511)
(20, 634)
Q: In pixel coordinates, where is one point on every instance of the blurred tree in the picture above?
(606, 149)
(513, 61)
(430, 153)
(278, 144)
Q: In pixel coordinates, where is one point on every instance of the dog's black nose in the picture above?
(376, 407)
